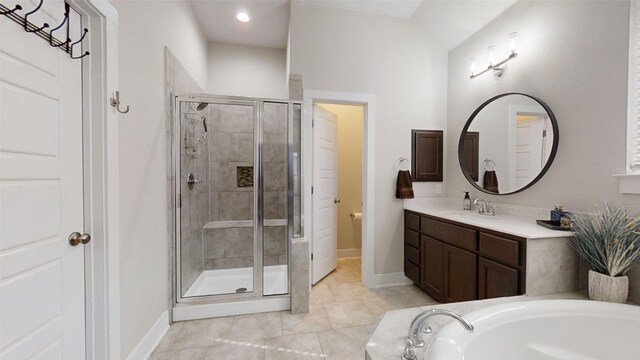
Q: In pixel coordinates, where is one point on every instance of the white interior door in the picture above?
(325, 180)
(529, 150)
(42, 306)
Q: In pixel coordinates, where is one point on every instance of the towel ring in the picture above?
(489, 165)
(402, 160)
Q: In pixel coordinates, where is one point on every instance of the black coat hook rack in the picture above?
(66, 46)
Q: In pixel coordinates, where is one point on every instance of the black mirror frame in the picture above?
(547, 165)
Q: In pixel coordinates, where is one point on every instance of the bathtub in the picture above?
(542, 330)
(227, 281)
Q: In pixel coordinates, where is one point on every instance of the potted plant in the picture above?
(609, 241)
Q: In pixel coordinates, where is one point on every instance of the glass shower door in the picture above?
(216, 216)
(238, 195)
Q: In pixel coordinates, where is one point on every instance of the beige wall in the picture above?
(144, 245)
(247, 71)
(350, 136)
(572, 55)
(338, 50)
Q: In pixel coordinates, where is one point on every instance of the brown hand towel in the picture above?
(404, 187)
(490, 181)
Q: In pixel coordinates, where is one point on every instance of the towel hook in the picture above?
(16, 8)
(86, 53)
(26, 22)
(116, 104)
(64, 21)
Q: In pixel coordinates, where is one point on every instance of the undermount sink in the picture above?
(469, 214)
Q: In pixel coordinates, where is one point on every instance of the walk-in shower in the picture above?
(236, 166)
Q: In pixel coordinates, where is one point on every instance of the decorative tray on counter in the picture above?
(553, 225)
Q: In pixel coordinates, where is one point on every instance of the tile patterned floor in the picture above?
(343, 315)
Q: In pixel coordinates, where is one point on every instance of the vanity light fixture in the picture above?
(498, 68)
(243, 17)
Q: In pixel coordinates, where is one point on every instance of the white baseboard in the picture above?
(149, 342)
(390, 279)
(192, 312)
(346, 253)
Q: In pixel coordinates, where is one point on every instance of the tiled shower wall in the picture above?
(228, 238)
(194, 208)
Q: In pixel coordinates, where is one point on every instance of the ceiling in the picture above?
(448, 21)
(268, 27)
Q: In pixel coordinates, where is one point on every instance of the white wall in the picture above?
(572, 55)
(338, 50)
(247, 71)
(145, 285)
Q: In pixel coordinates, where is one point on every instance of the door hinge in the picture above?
(313, 122)
(311, 256)
(312, 190)
(544, 133)
(179, 200)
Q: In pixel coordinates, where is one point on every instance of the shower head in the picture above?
(202, 106)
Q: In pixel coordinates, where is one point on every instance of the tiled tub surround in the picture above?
(552, 266)
(388, 339)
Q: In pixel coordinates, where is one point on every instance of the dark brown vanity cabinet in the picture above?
(500, 271)
(412, 256)
(455, 262)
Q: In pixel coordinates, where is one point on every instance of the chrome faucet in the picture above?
(420, 325)
(484, 207)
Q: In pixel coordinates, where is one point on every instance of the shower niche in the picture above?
(236, 167)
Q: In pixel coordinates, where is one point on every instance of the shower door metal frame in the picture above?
(258, 203)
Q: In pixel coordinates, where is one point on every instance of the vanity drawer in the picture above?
(412, 238)
(500, 249)
(455, 235)
(412, 271)
(412, 221)
(412, 254)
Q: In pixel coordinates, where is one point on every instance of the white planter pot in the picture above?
(607, 288)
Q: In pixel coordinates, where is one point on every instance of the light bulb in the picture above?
(243, 17)
(490, 54)
(513, 42)
(473, 66)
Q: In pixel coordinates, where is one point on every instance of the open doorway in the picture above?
(338, 139)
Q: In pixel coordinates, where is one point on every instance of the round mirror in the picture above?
(508, 143)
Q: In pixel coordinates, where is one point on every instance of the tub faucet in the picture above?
(420, 324)
(484, 207)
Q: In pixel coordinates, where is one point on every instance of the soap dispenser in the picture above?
(466, 202)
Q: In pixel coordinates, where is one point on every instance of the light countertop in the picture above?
(518, 226)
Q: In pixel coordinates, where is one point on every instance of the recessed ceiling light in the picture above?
(243, 17)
